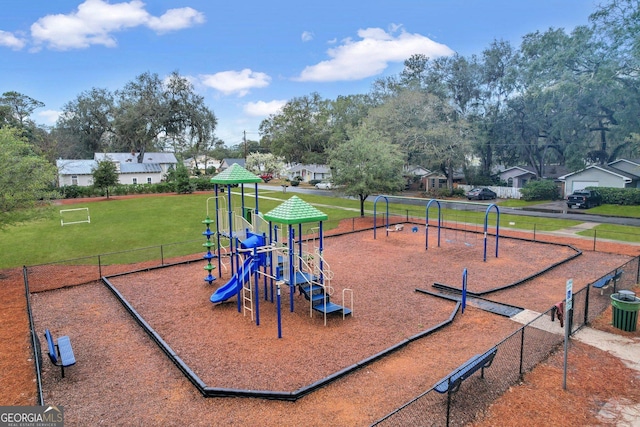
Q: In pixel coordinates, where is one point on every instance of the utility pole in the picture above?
(244, 140)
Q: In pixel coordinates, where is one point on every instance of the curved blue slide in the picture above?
(231, 288)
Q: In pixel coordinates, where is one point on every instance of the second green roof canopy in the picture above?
(295, 211)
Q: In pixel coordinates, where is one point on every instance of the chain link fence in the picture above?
(517, 354)
(79, 271)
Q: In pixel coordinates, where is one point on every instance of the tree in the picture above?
(86, 124)
(105, 175)
(21, 106)
(15, 111)
(366, 163)
(147, 114)
(300, 131)
(267, 163)
(427, 128)
(178, 177)
(26, 176)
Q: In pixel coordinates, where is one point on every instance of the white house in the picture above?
(75, 172)
(309, 172)
(152, 170)
(202, 163)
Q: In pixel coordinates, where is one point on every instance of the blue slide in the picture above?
(231, 288)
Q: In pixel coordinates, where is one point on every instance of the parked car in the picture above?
(266, 177)
(481, 194)
(584, 199)
(324, 185)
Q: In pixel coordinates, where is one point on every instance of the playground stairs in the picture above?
(320, 300)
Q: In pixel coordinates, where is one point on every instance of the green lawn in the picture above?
(176, 221)
(617, 210)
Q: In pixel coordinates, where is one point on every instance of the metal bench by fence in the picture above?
(452, 382)
(60, 354)
(607, 280)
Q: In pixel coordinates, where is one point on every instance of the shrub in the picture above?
(314, 181)
(618, 196)
(202, 183)
(540, 190)
(295, 182)
(441, 193)
(71, 191)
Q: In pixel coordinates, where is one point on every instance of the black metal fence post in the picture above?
(594, 240)
(99, 268)
(521, 352)
(586, 306)
(161, 255)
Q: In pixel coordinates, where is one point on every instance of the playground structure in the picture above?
(385, 271)
(262, 248)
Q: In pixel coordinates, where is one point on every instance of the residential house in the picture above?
(517, 176)
(413, 175)
(309, 172)
(226, 163)
(75, 172)
(151, 170)
(436, 180)
(202, 163)
(615, 174)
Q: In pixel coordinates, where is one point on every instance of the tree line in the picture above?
(560, 98)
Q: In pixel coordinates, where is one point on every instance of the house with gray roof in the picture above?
(151, 170)
(75, 172)
(615, 174)
(308, 173)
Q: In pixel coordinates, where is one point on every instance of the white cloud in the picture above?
(354, 60)
(262, 108)
(238, 82)
(307, 36)
(96, 20)
(49, 117)
(176, 19)
(9, 40)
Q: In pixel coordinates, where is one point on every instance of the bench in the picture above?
(604, 282)
(451, 383)
(60, 354)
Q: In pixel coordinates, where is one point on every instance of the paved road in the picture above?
(556, 209)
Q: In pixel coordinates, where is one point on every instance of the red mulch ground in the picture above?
(122, 378)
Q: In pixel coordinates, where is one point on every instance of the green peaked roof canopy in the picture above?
(295, 211)
(235, 174)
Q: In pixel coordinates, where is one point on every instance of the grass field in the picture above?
(123, 224)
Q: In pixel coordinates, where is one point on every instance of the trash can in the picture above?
(625, 307)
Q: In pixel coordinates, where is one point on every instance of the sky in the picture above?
(247, 59)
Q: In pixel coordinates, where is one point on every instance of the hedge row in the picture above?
(75, 191)
(618, 196)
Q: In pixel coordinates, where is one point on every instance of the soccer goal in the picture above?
(74, 216)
